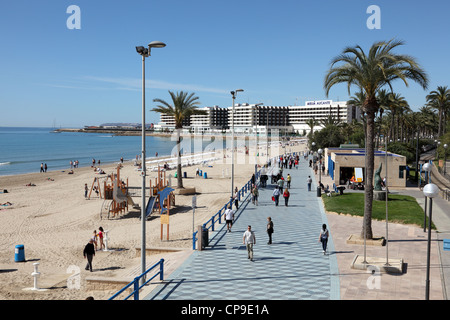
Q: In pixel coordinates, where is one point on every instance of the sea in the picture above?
(23, 149)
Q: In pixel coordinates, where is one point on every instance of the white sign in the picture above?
(318, 103)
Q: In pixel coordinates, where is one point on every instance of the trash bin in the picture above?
(205, 176)
(185, 174)
(319, 192)
(19, 255)
(200, 173)
(205, 237)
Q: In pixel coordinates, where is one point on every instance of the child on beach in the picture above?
(101, 234)
(94, 239)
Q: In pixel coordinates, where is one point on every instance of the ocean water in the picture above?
(22, 150)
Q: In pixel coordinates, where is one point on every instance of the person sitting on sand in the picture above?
(30, 185)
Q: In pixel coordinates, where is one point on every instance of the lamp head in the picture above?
(431, 190)
(156, 44)
(142, 51)
(427, 167)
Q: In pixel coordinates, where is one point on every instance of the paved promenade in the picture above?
(294, 267)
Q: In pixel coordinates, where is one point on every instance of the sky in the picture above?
(278, 52)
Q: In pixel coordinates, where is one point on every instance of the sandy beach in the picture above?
(54, 221)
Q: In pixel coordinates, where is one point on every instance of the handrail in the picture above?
(246, 188)
(136, 280)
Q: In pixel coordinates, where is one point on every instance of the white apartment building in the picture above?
(320, 110)
(248, 117)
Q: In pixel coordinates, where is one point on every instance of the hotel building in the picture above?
(248, 117)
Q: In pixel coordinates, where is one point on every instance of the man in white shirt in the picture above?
(229, 217)
(309, 181)
(249, 240)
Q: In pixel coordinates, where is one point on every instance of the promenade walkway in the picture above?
(292, 267)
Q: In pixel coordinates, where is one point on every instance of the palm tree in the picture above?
(370, 73)
(440, 100)
(311, 123)
(428, 120)
(182, 107)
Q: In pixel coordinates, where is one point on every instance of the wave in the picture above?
(4, 163)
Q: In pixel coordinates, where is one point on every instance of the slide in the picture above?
(150, 205)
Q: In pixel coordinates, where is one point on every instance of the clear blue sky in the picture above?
(277, 51)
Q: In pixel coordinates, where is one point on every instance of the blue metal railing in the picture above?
(135, 282)
(210, 224)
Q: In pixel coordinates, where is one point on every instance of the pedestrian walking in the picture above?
(249, 240)
(89, 253)
(269, 229)
(323, 237)
(286, 196)
(42, 167)
(288, 179)
(229, 217)
(236, 198)
(45, 167)
(276, 195)
(86, 190)
(309, 181)
(280, 182)
(255, 194)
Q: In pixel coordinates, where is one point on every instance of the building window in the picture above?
(401, 169)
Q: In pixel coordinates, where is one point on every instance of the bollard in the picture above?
(35, 274)
(105, 240)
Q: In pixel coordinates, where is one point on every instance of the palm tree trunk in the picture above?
(179, 177)
(371, 107)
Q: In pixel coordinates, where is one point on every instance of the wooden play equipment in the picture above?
(161, 199)
(115, 193)
(95, 187)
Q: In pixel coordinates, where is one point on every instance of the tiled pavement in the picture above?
(292, 267)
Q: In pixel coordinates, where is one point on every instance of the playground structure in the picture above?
(117, 195)
(161, 199)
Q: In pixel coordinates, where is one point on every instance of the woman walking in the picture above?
(255, 194)
(269, 229)
(323, 237)
(276, 195)
(286, 195)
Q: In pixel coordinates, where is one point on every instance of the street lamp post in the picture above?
(386, 200)
(144, 52)
(431, 191)
(233, 95)
(319, 191)
(427, 168)
(445, 159)
(267, 134)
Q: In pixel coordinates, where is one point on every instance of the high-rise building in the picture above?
(250, 117)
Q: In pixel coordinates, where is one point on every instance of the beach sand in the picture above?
(54, 222)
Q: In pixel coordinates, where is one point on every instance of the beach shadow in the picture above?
(109, 269)
(7, 270)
